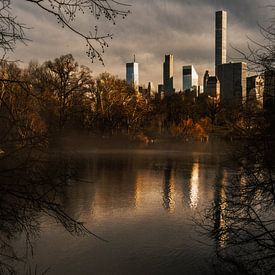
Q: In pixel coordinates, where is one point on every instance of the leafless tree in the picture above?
(66, 12)
(11, 30)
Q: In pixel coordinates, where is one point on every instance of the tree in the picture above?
(67, 81)
(20, 122)
(66, 13)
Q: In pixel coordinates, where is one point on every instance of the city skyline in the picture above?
(150, 32)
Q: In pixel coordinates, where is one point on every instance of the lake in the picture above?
(141, 201)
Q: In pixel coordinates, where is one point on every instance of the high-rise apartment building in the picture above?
(221, 38)
(190, 79)
(232, 77)
(168, 74)
(132, 74)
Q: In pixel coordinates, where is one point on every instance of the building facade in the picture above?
(190, 78)
(269, 90)
(168, 74)
(232, 77)
(213, 87)
(255, 90)
(221, 38)
(132, 74)
(205, 80)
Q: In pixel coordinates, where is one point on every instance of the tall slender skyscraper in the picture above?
(132, 75)
(168, 71)
(221, 38)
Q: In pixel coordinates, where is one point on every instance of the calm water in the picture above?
(142, 201)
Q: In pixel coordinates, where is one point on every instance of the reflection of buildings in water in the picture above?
(198, 177)
(194, 185)
(186, 176)
(78, 198)
(220, 208)
(168, 188)
(138, 192)
(149, 190)
(113, 184)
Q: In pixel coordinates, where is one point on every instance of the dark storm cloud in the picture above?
(184, 28)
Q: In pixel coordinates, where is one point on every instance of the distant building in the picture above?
(213, 87)
(232, 77)
(255, 90)
(221, 39)
(148, 92)
(190, 79)
(269, 90)
(205, 80)
(168, 74)
(151, 89)
(200, 89)
(132, 74)
(160, 88)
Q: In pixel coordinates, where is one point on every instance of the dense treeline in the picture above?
(61, 95)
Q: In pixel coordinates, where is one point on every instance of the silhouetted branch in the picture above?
(67, 11)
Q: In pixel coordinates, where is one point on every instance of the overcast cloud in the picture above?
(184, 28)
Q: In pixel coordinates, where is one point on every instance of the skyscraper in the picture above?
(205, 80)
(168, 71)
(190, 78)
(221, 38)
(132, 75)
(232, 77)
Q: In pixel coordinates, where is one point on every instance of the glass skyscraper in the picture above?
(190, 78)
(132, 75)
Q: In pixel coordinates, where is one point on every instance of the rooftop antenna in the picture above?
(134, 58)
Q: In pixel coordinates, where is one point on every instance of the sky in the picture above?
(184, 28)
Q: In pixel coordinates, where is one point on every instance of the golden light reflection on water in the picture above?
(169, 192)
(149, 190)
(143, 191)
(138, 191)
(194, 186)
(223, 236)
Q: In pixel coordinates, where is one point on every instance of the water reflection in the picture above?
(141, 202)
(220, 204)
(138, 190)
(168, 188)
(31, 184)
(194, 186)
(137, 181)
